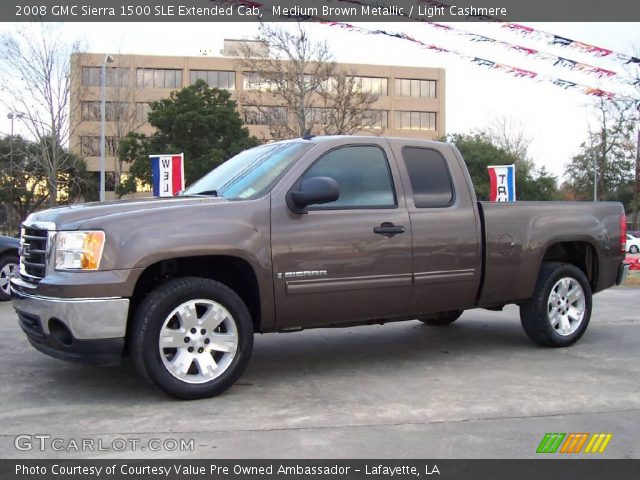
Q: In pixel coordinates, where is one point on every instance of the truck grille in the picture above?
(33, 253)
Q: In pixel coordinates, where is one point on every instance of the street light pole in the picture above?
(103, 77)
(10, 116)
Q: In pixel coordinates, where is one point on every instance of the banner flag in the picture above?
(167, 173)
(503, 183)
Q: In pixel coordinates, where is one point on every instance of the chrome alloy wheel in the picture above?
(566, 306)
(5, 276)
(198, 341)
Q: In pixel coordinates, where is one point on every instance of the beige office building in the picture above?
(410, 99)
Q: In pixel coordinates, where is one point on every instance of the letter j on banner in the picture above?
(503, 183)
(167, 174)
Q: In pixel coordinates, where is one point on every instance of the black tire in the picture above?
(535, 314)
(152, 314)
(441, 319)
(633, 249)
(6, 261)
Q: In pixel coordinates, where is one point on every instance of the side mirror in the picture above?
(313, 191)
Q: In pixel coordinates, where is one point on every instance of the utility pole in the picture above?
(637, 183)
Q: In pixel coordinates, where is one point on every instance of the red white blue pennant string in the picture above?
(549, 38)
(556, 60)
(481, 62)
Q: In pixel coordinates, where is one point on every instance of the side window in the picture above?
(362, 173)
(429, 176)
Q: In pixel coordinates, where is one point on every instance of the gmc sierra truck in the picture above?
(312, 232)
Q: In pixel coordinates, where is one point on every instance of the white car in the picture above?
(633, 244)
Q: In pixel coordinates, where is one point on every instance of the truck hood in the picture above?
(72, 217)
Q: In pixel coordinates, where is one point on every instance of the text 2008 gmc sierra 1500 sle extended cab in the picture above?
(313, 232)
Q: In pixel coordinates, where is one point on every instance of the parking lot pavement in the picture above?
(478, 388)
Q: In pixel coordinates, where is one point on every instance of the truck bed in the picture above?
(520, 235)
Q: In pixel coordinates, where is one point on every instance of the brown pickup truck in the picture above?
(312, 232)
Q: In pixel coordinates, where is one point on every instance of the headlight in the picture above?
(79, 250)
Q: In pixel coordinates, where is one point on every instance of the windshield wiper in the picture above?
(205, 193)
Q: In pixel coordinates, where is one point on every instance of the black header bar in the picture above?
(547, 469)
(309, 10)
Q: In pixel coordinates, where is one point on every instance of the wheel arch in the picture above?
(234, 272)
(579, 253)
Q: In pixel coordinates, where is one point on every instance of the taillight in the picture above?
(623, 233)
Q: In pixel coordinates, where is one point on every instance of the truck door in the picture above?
(349, 260)
(445, 229)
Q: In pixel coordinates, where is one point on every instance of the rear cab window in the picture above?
(430, 178)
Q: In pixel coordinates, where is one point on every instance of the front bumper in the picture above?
(87, 330)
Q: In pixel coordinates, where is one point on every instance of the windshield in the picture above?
(250, 173)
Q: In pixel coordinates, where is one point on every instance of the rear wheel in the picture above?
(633, 249)
(192, 337)
(441, 319)
(559, 311)
(8, 267)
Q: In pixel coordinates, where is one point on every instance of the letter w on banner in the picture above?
(503, 183)
(167, 173)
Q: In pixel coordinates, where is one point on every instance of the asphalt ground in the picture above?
(475, 389)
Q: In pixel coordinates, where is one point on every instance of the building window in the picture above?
(91, 111)
(115, 77)
(158, 78)
(376, 119)
(90, 146)
(429, 176)
(142, 112)
(110, 181)
(113, 111)
(415, 120)
(318, 115)
(373, 85)
(255, 81)
(415, 88)
(215, 78)
(264, 115)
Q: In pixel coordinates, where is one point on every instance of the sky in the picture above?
(556, 120)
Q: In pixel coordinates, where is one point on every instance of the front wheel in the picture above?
(633, 249)
(192, 337)
(559, 311)
(8, 267)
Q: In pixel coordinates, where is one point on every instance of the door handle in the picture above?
(388, 229)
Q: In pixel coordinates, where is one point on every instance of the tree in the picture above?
(38, 75)
(509, 134)
(479, 152)
(199, 121)
(348, 106)
(295, 87)
(611, 149)
(24, 181)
